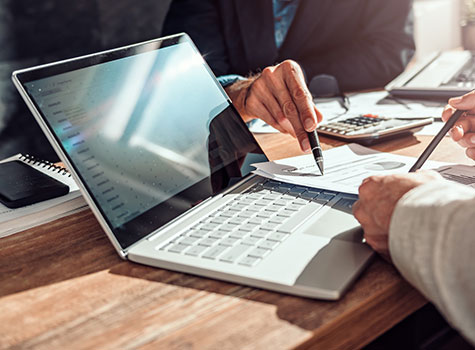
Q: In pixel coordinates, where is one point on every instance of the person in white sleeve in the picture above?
(425, 226)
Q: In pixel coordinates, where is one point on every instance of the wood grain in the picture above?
(62, 286)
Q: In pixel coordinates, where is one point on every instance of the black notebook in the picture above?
(21, 184)
(27, 179)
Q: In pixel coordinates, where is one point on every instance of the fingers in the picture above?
(280, 97)
(467, 140)
(467, 122)
(264, 104)
(301, 96)
(465, 102)
(318, 113)
(295, 100)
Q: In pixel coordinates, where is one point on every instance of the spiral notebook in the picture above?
(19, 219)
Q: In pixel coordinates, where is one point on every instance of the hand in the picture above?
(378, 196)
(463, 131)
(280, 97)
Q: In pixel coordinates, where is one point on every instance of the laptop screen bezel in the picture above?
(22, 77)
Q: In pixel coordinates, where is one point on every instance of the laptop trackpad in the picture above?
(333, 223)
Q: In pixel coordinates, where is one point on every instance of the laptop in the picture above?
(164, 161)
(441, 75)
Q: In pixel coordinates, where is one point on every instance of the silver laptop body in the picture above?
(441, 75)
(163, 159)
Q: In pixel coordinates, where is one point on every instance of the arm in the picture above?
(377, 53)
(432, 243)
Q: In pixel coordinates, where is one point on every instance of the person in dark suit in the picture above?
(363, 43)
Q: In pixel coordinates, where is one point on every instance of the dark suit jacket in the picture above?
(363, 43)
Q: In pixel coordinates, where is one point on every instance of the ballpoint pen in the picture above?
(316, 149)
(436, 140)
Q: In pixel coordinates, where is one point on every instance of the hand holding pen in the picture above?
(464, 130)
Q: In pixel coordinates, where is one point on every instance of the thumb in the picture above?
(465, 102)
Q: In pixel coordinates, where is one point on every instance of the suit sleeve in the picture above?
(432, 243)
(377, 53)
(201, 21)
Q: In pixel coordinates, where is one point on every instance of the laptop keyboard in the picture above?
(246, 230)
(465, 78)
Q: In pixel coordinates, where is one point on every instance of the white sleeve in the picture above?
(432, 243)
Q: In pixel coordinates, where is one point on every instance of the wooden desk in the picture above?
(63, 286)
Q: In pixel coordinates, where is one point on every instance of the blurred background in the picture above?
(34, 32)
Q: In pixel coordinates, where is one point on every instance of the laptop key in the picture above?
(280, 202)
(218, 220)
(229, 241)
(256, 221)
(266, 244)
(297, 190)
(300, 201)
(247, 227)
(209, 227)
(197, 233)
(239, 234)
(177, 248)
(278, 219)
(277, 236)
(301, 217)
(249, 261)
(196, 250)
(218, 234)
(214, 252)
(325, 196)
(228, 227)
(237, 207)
(263, 202)
(235, 221)
(270, 226)
(293, 207)
(235, 252)
(246, 214)
(187, 240)
(286, 213)
(208, 242)
(250, 240)
(228, 213)
(260, 233)
(309, 195)
(259, 252)
(271, 196)
(265, 214)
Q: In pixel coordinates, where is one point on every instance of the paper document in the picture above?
(345, 168)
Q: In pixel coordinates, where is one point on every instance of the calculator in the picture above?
(370, 128)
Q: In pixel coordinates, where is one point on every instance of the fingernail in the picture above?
(470, 153)
(309, 124)
(305, 145)
(472, 139)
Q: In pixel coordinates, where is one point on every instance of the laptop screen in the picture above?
(148, 130)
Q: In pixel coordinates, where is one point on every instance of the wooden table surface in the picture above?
(62, 286)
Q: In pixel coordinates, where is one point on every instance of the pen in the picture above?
(436, 140)
(316, 149)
